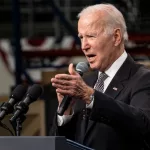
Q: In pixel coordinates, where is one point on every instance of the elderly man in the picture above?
(110, 107)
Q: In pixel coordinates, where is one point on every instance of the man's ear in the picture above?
(117, 36)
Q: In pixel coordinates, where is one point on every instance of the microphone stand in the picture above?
(17, 122)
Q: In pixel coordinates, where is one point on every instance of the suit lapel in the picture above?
(121, 78)
(117, 84)
(114, 89)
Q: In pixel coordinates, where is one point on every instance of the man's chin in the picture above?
(93, 67)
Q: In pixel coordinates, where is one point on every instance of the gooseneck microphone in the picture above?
(16, 96)
(81, 68)
(22, 107)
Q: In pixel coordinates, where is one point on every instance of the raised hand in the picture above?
(73, 85)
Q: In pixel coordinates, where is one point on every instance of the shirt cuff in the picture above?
(62, 120)
(90, 106)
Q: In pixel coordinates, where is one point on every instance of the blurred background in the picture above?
(38, 38)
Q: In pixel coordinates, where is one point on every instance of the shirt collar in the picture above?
(116, 65)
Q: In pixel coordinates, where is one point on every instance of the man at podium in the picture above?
(110, 105)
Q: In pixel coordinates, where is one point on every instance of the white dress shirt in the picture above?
(111, 73)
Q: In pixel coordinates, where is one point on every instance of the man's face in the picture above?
(98, 48)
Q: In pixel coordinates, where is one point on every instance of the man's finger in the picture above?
(61, 86)
(71, 70)
(64, 77)
(61, 82)
(64, 92)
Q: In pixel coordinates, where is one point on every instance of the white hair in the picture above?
(114, 18)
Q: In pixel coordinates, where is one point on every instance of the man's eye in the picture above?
(80, 37)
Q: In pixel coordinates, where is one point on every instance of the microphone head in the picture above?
(18, 93)
(35, 92)
(82, 67)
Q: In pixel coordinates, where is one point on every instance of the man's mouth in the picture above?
(91, 57)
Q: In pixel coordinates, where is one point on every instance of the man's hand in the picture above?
(72, 85)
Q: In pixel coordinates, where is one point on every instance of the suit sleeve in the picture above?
(133, 117)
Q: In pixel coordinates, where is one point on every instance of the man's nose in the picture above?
(85, 44)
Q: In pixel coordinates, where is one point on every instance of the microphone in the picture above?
(81, 68)
(16, 96)
(22, 107)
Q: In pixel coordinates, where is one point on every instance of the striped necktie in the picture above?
(99, 86)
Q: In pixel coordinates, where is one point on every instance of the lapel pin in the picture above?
(114, 88)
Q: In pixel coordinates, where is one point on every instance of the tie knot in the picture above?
(103, 76)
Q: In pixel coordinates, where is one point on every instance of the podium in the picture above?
(39, 143)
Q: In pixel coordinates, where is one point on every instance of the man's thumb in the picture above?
(71, 70)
